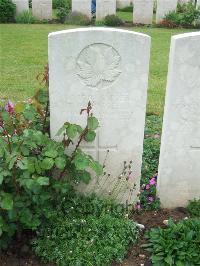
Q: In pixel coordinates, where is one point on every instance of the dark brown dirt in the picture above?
(19, 254)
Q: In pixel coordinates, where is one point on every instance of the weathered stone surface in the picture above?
(82, 6)
(163, 8)
(110, 68)
(21, 6)
(143, 11)
(123, 3)
(179, 169)
(42, 9)
(104, 8)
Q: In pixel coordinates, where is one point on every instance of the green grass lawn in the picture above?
(24, 53)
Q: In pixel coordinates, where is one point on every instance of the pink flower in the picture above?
(152, 182)
(138, 206)
(9, 107)
(150, 199)
(147, 186)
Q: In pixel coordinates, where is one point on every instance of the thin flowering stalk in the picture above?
(9, 107)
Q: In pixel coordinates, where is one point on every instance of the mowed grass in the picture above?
(24, 52)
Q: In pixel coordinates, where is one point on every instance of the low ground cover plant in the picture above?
(113, 21)
(186, 15)
(178, 244)
(194, 208)
(148, 199)
(25, 17)
(85, 231)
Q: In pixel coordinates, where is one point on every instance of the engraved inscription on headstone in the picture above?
(98, 65)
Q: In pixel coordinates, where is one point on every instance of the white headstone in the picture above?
(21, 6)
(143, 11)
(179, 169)
(123, 3)
(82, 6)
(110, 68)
(104, 8)
(163, 8)
(42, 9)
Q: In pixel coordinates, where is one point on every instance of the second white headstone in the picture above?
(179, 167)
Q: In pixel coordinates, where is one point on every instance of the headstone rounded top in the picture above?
(186, 35)
(98, 29)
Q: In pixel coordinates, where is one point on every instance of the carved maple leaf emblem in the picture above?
(99, 65)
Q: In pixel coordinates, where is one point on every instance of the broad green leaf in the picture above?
(169, 260)
(51, 153)
(6, 201)
(71, 131)
(47, 163)
(12, 162)
(79, 129)
(61, 130)
(29, 115)
(24, 150)
(30, 183)
(22, 164)
(31, 165)
(5, 116)
(90, 136)
(81, 161)
(92, 123)
(60, 163)
(97, 167)
(85, 177)
(43, 181)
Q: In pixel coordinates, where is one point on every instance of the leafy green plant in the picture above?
(113, 21)
(186, 15)
(62, 3)
(176, 245)
(7, 11)
(77, 18)
(148, 199)
(90, 231)
(62, 14)
(194, 208)
(25, 17)
(35, 169)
